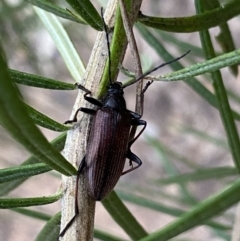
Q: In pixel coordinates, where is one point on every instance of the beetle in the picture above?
(108, 144)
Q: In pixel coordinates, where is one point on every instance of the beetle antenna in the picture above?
(158, 67)
(108, 46)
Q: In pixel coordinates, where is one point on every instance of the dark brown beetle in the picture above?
(108, 144)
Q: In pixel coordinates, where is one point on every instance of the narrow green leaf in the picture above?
(88, 12)
(226, 42)
(209, 208)
(57, 143)
(14, 118)
(39, 81)
(123, 217)
(171, 170)
(204, 174)
(32, 213)
(137, 200)
(63, 43)
(116, 54)
(155, 143)
(49, 7)
(208, 66)
(105, 236)
(50, 231)
(222, 98)
(14, 173)
(224, 38)
(44, 121)
(204, 136)
(193, 23)
(28, 202)
(144, 202)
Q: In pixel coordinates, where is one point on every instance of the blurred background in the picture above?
(184, 133)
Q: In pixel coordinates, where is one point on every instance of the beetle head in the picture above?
(115, 89)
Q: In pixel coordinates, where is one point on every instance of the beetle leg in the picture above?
(84, 110)
(136, 122)
(134, 115)
(92, 100)
(80, 169)
(133, 158)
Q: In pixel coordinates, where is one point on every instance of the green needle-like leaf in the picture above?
(203, 136)
(105, 236)
(44, 121)
(50, 231)
(63, 43)
(88, 12)
(205, 174)
(224, 38)
(193, 23)
(32, 213)
(203, 211)
(208, 66)
(148, 203)
(222, 98)
(39, 81)
(123, 217)
(14, 173)
(116, 54)
(28, 202)
(49, 7)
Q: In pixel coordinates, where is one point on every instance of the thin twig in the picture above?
(137, 63)
(135, 55)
